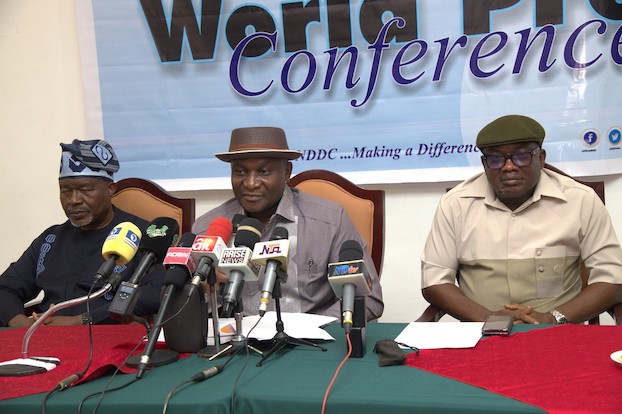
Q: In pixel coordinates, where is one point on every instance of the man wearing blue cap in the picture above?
(63, 260)
(516, 236)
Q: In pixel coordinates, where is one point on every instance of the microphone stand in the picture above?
(33, 365)
(238, 341)
(152, 357)
(281, 339)
(211, 350)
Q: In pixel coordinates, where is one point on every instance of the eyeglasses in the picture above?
(520, 159)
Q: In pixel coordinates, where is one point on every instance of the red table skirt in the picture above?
(111, 346)
(562, 369)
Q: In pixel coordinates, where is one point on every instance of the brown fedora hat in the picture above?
(258, 142)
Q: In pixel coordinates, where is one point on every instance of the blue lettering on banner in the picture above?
(384, 90)
(168, 35)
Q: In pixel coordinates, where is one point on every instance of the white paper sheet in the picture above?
(436, 335)
(296, 325)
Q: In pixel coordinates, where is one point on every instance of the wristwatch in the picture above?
(559, 317)
(85, 319)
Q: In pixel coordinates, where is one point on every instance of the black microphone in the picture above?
(185, 316)
(179, 264)
(236, 262)
(160, 234)
(273, 255)
(235, 223)
(348, 279)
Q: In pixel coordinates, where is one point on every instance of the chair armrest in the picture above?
(432, 314)
(616, 313)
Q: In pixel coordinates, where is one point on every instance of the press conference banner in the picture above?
(381, 91)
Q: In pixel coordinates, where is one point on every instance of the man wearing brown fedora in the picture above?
(517, 234)
(260, 169)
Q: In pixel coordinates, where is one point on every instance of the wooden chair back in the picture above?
(147, 200)
(365, 207)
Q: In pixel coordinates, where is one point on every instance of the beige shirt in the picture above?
(529, 256)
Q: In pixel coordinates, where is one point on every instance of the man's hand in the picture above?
(524, 314)
(21, 321)
(59, 320)
(63, 320)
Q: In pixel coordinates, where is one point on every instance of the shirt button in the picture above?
(538, 252)
(540, 269)
(557, 269)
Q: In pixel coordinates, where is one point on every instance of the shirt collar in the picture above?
(285, 208)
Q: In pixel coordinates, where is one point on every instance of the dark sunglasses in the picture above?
(520, 159)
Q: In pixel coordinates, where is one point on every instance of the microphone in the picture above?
(348, 278)
(161, 233)
(119, 248)
(33, 365)
(207, 249)
(236, 262)
(235, 222)
(178, 263)
(273, 255)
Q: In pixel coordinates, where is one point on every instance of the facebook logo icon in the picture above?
(590, 137)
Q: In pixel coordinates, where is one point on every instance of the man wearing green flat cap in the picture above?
(511, 240)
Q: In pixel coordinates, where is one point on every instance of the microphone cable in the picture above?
(248, 357)
(144, 338)
(116, 371)
(210, 372)
(73, 378)
(332, 382)
(198, 377)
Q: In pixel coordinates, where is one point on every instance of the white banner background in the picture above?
(166, 120)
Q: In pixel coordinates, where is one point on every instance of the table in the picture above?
(293, 380)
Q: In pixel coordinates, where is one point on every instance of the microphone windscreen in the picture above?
(178, 275)
(220, 227)
(187, 239)
(122, 241)
(350, 250)
(160, 234)
(249, 233)
(236, 220)
(279, 233)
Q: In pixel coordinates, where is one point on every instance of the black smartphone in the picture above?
(498, 325)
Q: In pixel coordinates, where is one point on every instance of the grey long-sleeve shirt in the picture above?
(317, 228)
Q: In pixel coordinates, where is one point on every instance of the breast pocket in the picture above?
(550, 270)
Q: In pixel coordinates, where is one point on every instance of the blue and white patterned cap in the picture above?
(93, 158)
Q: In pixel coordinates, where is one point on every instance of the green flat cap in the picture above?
(510, 129)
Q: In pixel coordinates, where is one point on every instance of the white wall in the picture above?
(42, 105)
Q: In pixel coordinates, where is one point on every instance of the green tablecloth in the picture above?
(293, 380)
